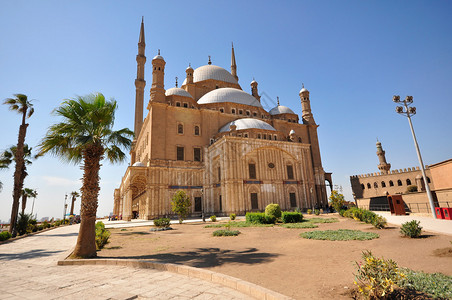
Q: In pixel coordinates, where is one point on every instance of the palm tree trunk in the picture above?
(86, 241)
(18, 175)
(72, 206)
(24, 203)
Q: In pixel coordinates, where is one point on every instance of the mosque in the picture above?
(217, 143)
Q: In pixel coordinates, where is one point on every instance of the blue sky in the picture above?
(353, 56)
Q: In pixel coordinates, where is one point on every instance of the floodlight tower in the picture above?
(407, 111)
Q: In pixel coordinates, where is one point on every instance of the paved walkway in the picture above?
(427, 223)
(28, 270)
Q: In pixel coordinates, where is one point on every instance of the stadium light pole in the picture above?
(407, 111)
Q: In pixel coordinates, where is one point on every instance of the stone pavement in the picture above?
(28, 270)
(427, 223)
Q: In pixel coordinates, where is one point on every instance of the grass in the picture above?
(300, 225)
(437, 284)
(339, 235)
(237, 224)
(322, 220)
(225, 232)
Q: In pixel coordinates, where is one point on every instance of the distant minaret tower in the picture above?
(140, 83)
(233, 65)
(306, 115)
(384, 167)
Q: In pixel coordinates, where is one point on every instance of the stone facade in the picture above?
(218, 144)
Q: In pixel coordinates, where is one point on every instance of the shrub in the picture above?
(5, 235)
(342, 212)
(45, 225)
(255, 217)
(162, 222)
(181, 205)
(273, 211)
(411, 229)
(316, 212)
(411, 189)
(309, 211)
(339, 235)
(102, 235)
(225, 232)
(366, 216)
(379, 222)
(291, 217)
(40, 227)
(213, 218)
(23, 224)
(376, 277)
(232, 216)
(337, 200)
(437, 284)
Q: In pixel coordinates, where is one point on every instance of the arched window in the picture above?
(196, 130)
(408, 182)
(375, 185)
(383, 184)
(362, 186)
(428, 180)
(299, 139)
(233, 111)
(258, 135)
(399, 182)
(368, 186)
(180, 129)
(391, 183)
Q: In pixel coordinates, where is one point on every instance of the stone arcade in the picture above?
(218, 144)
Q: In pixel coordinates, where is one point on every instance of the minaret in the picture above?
(140, 83)
(233, 65)
(306, 115)
(254, 92)
(384, 167)
(189, 85)
(158, 76)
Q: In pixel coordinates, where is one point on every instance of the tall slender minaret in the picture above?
(233, 65)
(140, 83)
(384, 167)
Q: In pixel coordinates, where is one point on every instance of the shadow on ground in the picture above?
(28, 254)
(208, 257)
(59, 235)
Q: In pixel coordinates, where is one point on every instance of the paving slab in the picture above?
(427, 223)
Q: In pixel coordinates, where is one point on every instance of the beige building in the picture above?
(217, 143)
(370, 190)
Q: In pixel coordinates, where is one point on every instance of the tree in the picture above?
(337, 200)
(74, 195)
(86, 136)
(23, 106)
(180, 204)
(26, 192)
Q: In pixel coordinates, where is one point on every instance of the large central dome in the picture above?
(229, 95)
(212, 72)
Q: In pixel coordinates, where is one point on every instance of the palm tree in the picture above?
(74, 195)
(23, 106)
(85, 136)
(26, 192)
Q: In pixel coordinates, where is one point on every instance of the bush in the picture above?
(436, 284)
(342, 212)
(379, 222)
(181, 205)
(411, 229)
(411, 189)
(225, 232)
(273, 211)
(377, 277)
(337, 200)
(5, 235)
(40, 227)
(24, 223)
(259, 218)
(291, 217)
(102, 235)
(309, 211)
(45, 225)
(213, 218)
(162, 222)
(366, 216)
(316, 212)
(232, 216)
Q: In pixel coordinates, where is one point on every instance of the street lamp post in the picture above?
(408, 112)
(65, 207)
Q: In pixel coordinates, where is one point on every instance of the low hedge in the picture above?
(364, 215)
(291, 217)
(162, 222)
(5, 235)
(259, 218)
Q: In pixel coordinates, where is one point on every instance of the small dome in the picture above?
(303, 90)
(188, 68)
(292, 132)
(253, 82)
(247, 123)
(280, 110)
(138, 164)
(178, 92)
(229, 95)
(212, 72)
(158, 57)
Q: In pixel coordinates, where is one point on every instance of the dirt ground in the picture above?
(277, 258)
